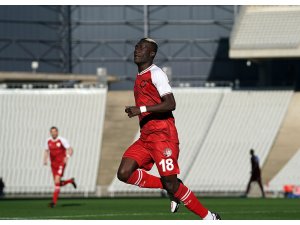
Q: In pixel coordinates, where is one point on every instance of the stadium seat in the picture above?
(266, 31)
(27, 115)
(245, 120)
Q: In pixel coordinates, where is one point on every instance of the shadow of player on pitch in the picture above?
(71, 204)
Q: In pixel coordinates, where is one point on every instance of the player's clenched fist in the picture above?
(132, 111)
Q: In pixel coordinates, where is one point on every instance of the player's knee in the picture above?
(57, 180)
(123, 174)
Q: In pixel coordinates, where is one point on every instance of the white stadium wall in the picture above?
(25, 119)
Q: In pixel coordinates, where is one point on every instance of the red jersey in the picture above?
(57, 149)
(150, 86)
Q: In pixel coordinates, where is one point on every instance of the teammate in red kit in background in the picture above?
(59, 150)
(158, 142)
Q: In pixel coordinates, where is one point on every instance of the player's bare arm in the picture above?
(46, 157)
(69, 153)
(168, 104)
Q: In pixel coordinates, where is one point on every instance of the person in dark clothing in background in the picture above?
(255, 173)
(2, 186)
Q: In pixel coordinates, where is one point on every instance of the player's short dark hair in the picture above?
(252, 151)
(152, 42)
(54, 128)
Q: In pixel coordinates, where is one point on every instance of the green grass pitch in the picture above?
(147, 209)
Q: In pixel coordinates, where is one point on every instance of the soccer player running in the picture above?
(60, 151)
(158, 142)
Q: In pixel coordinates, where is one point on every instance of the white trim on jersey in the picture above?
(160, 81)
(64, 142)
(46, 145)
(146, 70)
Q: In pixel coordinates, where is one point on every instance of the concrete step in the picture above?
(287, 141)
(118, 134)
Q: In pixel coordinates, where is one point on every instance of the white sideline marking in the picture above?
(140, 214)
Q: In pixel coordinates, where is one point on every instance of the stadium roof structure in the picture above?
(52, 78)
(266, 32)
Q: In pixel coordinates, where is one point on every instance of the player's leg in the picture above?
(166, 155)
(248, 187)
(180, 191)
(261, 187)
(132, 170)
(174, 201)
(130, 173)
(58, 169)
(65, 182)
(127, 167)
(56, 179)
(68, 181)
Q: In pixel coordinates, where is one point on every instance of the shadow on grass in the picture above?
(71, 205)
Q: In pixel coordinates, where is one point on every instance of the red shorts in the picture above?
(58, 168)
(164, 154)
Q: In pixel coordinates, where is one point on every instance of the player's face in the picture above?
(54, 133)
(143, 53)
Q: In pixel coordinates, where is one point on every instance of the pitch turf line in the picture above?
(138, 214)
(92, 215)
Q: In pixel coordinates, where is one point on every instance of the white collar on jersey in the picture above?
(57, 138)
(146, 70)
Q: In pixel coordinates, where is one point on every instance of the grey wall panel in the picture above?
(29, 33)
(115, 33)
(189, 38)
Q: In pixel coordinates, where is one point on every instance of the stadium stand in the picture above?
(266, 31)
(27, 115)
(288, 175)
(245, 120)
(196, 110)
(217, 128)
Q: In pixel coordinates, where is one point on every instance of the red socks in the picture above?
(57, 189)
(64, 182)
(56, 193)
(144, 180)
(190, 201)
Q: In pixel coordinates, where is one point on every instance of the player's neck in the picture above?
(144, 66)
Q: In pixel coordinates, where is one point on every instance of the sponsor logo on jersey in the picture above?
(143, 83)
(167, 152)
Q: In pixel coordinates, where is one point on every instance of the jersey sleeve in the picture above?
(65, 142)
(161, 82)
(46, 146)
